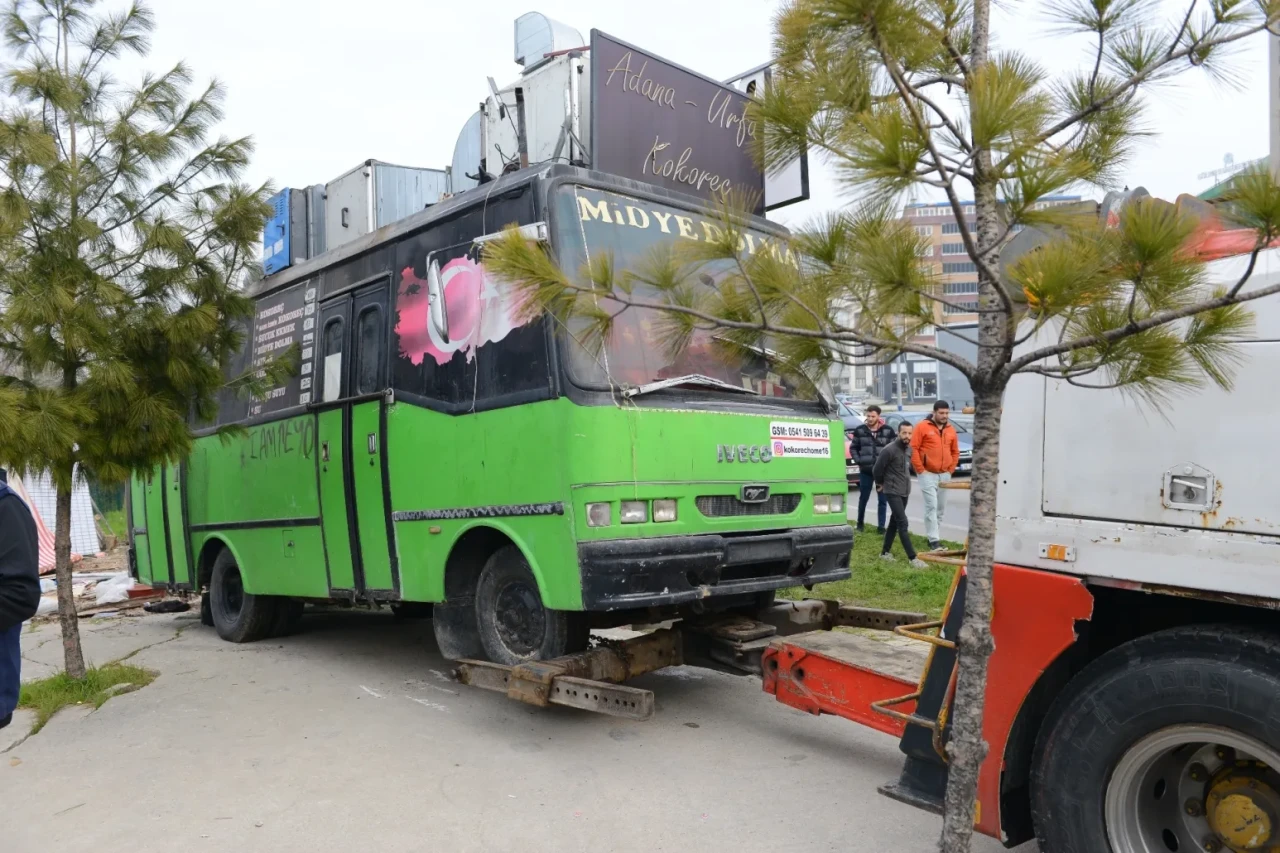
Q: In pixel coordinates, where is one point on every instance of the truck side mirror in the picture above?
(439, 315)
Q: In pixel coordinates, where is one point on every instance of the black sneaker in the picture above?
(861, 529)
(879, 531)
(4, 721)
(935, 545)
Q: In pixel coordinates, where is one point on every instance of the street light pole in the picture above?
(902, 363)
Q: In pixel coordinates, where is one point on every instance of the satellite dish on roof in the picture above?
(466, 156)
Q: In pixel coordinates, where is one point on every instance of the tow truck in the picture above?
(1133, 698)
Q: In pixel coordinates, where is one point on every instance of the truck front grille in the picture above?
(728, 506)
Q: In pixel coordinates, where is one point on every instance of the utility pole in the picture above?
(1273, 100)
(901, 377)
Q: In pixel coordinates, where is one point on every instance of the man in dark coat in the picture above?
(893, 480)
(869, 438)
(19, 591)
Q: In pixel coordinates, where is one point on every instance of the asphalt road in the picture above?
(350, 736)
(955, 520)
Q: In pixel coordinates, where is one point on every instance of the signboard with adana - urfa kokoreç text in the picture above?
(656, 122)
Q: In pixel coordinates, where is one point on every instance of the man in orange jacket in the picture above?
(935, 450)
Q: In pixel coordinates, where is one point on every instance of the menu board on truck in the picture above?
(283, 319)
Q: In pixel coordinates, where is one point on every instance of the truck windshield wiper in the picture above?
(696, 379)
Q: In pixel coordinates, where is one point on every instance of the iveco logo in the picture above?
(754, 494)
(743, 453)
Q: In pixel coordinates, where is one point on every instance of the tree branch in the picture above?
(1160, 318)
(1248, 270)
(1097, 62)
(1182, 30)
(841, 333)
(943, 327)
(938, 79)
(1136, 80)
(904, 92)
(956, 56)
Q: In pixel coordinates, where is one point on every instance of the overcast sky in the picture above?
(322, 85)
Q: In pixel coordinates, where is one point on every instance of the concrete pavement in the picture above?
(350, 736)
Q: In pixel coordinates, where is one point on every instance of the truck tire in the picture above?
(514, 625)
(238, 616)
(1164, 743)
(288, 616)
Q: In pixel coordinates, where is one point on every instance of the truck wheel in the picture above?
(514, 625)
(288, 616)
(1170, 742)
(239, 616)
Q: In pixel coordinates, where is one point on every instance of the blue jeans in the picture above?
(10, 671)
(867, 488)
(935, 503)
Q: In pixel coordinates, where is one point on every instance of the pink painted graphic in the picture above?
(479, 313)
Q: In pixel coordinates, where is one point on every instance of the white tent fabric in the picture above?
(43, 499)
(43, 535)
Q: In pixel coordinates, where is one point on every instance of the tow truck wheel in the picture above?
(514, 625)
(1170, 742)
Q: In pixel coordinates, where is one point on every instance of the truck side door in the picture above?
(352, 434)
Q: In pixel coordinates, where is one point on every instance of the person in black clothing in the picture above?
(19, 591)
(893, 480)
(869, 439)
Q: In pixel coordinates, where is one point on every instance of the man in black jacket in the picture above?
(869, 439)
(893, 480)
(19, 591)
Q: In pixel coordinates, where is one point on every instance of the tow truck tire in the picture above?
(238, 616)
(514, 624)
(1118, 742)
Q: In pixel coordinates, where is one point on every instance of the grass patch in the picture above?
(48, 696)
(115, 519)
(884, 585)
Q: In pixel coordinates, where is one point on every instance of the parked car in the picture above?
(850, 418)
(964, 434)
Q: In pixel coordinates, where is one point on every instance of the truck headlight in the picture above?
(634, 512)
(821, 504)
(837, 503)
(664, 510)
(599, 515)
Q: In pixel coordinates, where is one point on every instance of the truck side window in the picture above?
(492, 349)
(332, 360)
(369, 350)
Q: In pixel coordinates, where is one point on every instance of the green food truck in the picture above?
(442, 446)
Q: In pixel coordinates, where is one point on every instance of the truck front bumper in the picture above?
(624, 574)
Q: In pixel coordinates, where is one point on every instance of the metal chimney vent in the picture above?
(537, 35)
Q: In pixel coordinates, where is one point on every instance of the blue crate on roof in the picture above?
(277, 236)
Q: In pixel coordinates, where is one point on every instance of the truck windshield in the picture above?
(591, 222)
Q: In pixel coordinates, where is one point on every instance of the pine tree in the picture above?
(906, 95)
(124, 234)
